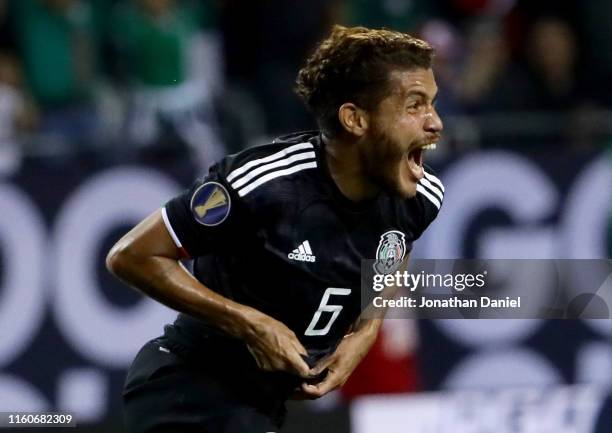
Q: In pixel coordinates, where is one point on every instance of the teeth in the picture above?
(430, 146)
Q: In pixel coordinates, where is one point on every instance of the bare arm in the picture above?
(147, 259)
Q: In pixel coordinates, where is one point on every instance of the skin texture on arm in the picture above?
(147, 258)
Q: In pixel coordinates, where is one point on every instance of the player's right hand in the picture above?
(275, 347)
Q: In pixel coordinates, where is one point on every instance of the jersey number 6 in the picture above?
(329, 308)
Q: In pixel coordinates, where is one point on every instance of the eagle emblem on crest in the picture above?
(390, 252)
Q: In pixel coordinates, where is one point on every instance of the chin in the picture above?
(401, 185)
(403, 190)
(407, 193)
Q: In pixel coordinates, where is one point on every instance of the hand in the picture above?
(274, 346)
(339, 366)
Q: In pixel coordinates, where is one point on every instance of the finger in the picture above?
(263, 363)
(260, 359)
(295, 343)
(309, 392)
(299, 348)
(255, 354)
(299, 366)
(322, 365)
(331, 382)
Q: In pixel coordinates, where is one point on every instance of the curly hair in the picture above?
(353, 65)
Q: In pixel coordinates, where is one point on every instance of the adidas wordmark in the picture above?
(303, 253)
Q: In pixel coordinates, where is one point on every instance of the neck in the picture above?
(347, 169)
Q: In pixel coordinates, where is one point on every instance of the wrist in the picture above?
(368, 329)
(362, 339)
(243, 322)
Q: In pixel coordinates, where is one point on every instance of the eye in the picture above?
(414, 105)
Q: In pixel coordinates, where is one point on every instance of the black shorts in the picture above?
(166, 391)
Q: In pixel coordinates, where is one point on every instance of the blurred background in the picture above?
(109, 107)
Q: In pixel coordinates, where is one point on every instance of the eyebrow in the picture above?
(423, 95)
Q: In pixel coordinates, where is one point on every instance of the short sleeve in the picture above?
(205, 217)
(430, 195)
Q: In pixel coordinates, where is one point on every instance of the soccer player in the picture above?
(277, 234)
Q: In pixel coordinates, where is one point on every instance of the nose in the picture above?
(433, 123)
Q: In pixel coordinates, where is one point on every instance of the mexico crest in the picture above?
(390, 252)
(210, 204)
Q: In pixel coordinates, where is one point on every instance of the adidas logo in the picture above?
(303, 253)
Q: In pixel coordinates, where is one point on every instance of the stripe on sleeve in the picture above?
(273, 175)
(173, 235)
(435, 180)
(420, 188)
(256, 162)
(432, 187)
(270, 166)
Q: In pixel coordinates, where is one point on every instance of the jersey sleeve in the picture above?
(206, 217)
(430, 195)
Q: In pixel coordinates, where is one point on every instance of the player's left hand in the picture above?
(339, 366)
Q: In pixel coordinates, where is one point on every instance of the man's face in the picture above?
(401, 126)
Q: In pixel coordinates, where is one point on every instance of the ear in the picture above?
(353, 119)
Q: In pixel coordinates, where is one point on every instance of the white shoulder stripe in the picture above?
(250, 187)
(433, 188)
(434, 179)
(175, 238)
(427, 194)
(267, 167)
(278, 155)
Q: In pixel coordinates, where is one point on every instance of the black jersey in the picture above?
(269, 228)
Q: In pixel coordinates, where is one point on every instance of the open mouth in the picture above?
(415, 160)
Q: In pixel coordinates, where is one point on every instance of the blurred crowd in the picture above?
(126, 79)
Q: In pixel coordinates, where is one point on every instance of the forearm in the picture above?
(366, 327)
(371, 318)
(147, 258)
(167, 281)
(359, 340)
